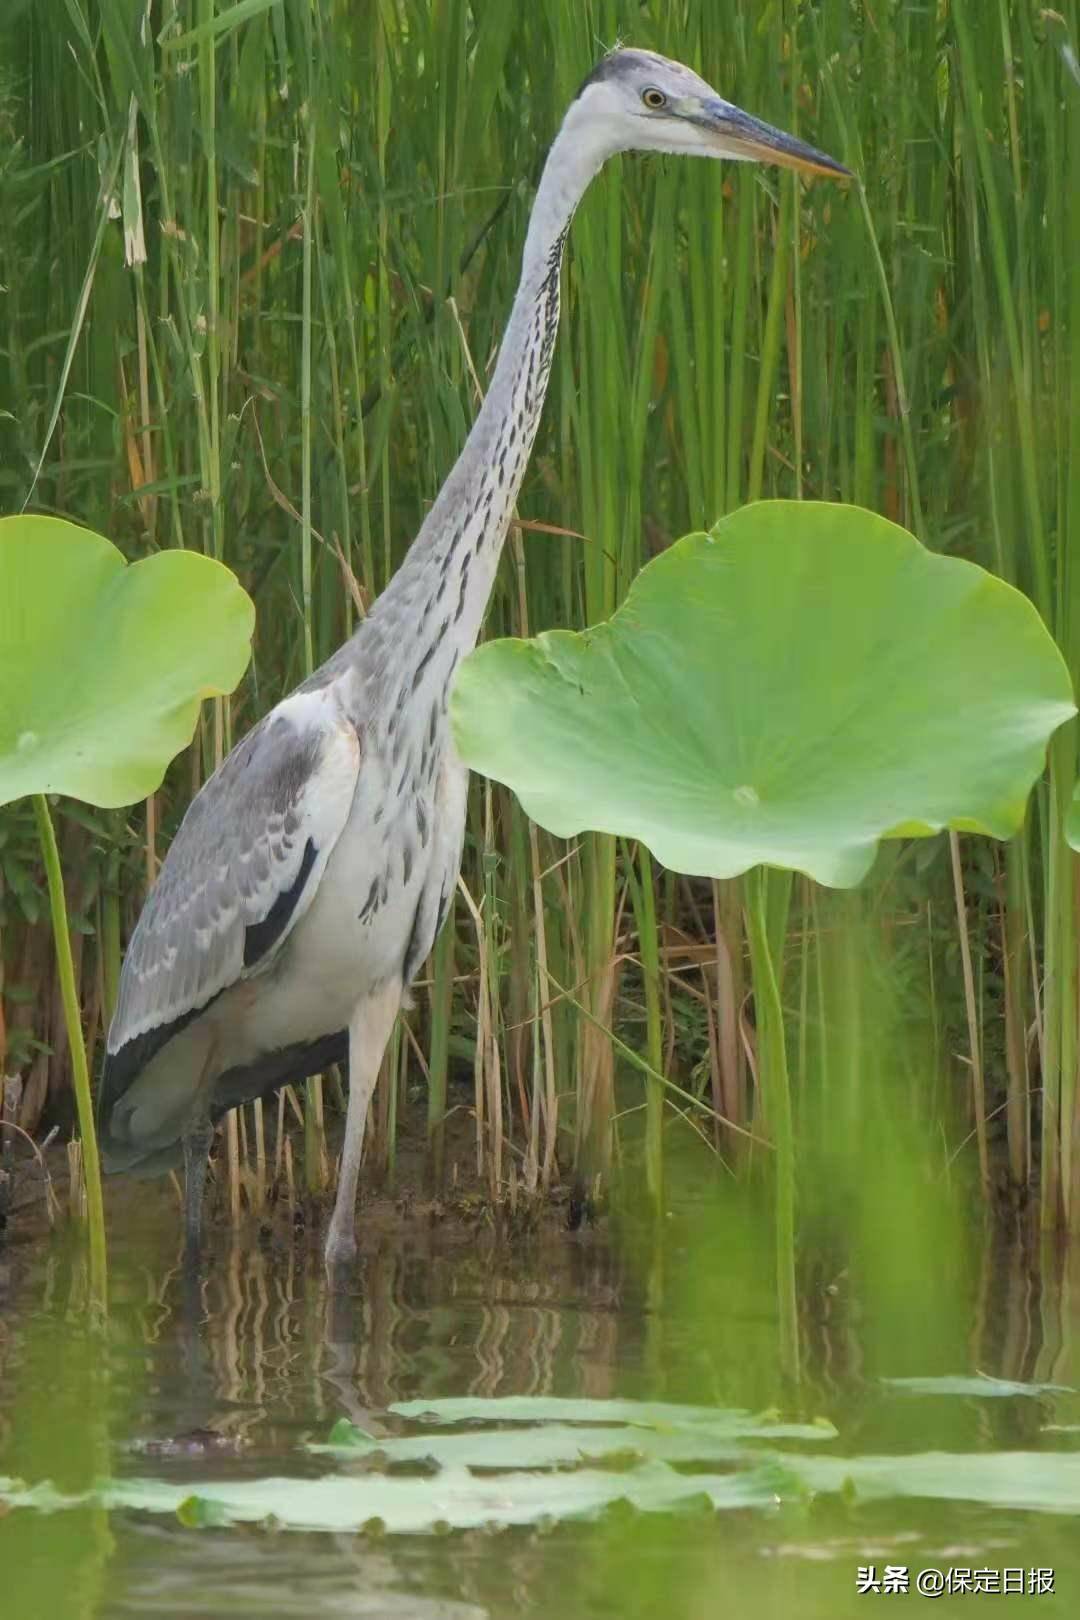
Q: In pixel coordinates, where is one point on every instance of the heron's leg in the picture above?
(369, 1031)
(197, 1139)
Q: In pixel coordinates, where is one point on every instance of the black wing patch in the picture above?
(287, 1066)
(263, 936)
(290, 1064)
(122, 1068)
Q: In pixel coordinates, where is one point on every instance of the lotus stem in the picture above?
(644, 903)
(776, 1102)
(95, 1209)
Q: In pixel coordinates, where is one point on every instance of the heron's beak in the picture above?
(738, 135)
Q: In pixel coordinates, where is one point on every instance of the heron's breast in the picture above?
(378, 870)
(377, 906)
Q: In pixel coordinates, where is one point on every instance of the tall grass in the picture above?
(250, 255)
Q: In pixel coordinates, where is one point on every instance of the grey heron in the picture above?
(310, 876)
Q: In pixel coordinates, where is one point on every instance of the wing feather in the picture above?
(241, 872)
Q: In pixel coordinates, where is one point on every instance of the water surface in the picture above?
(234, 1383)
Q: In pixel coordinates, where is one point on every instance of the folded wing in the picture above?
(241, 872)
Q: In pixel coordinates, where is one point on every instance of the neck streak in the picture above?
(430, 613)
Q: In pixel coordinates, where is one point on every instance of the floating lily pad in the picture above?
(789, 689)
(454, 1500)
(1035, 1481)
(547, 1431)
(103, 664)
(980, 1385)
(662, 1416)
(563, 1445)
(526, 1461)
(458, 1499)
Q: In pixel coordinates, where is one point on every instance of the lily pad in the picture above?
(526, 1461)
(567, 1445)
(1032, 1481)
(458, 1499)
(789, 689)
(728, 1423)
(455, 1500)
(981, 1385)
(103, 664)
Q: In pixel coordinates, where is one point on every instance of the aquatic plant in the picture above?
(570, 1460)
(252, 254)
(784, 691)
(103, 667)
(788, 689)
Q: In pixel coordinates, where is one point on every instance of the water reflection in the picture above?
(269, 1341)
(229, 1382)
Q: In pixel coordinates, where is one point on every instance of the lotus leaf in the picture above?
(103, 664)
(664, 1416)
(537, 1460)
(787, 690)
(982, 1386)
(458, 1499)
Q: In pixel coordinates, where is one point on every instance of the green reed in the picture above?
(253, 253)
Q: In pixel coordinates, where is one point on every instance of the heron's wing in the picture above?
(242, 870)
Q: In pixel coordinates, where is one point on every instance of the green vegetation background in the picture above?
(255, 258)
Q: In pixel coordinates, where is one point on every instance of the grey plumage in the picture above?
(240, 874)
(237, 856)
(311, 874)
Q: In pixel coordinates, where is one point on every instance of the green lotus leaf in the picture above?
(789, 689)
(982, 1386)
(664, 1416)
(103, 664)
(459, 1499)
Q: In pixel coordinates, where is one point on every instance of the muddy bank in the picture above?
(462, 1210)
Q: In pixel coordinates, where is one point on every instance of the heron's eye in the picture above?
(654, 99)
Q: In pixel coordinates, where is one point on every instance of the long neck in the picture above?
(430, 614)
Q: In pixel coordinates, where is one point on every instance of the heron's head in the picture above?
(638, 101)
